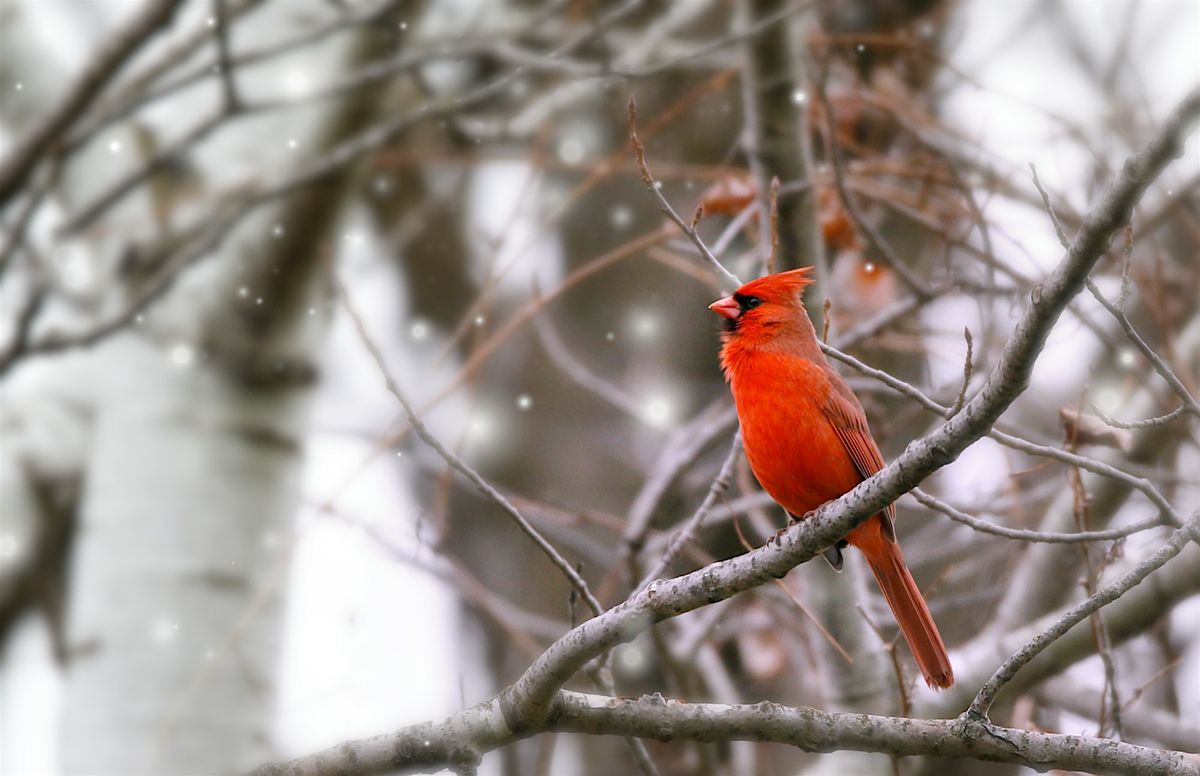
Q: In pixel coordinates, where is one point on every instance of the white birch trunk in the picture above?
(175, 588)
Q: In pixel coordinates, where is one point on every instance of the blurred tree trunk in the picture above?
(190, 486)
(175, 596)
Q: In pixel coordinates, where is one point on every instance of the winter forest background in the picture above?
(222, 222)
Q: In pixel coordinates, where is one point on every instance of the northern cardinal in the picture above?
(807, 440)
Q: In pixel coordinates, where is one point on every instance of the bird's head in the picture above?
(764, 305)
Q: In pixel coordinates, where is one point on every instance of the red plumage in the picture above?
(807, 439)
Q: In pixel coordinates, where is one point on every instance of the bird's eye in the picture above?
(752, 302)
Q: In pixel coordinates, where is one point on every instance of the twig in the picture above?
(1154, 724)
(15, 237)
(679, 451)
(577, 582)
(26, 315)
(27, 151)
(230, 98)
(654, 188)
(685, 535)
(787, 591)
(1126, 266)
(987, 694)
(579, 374)
(889, 646)
(968, 365)
(877, 240)
(188, 249)
(1110, 710)
(115, 192)
(1141, 484)
(773, 258)
(1025, 535)
(1160, 420)
(139, 89)
(1190, 404)
(1058, 227)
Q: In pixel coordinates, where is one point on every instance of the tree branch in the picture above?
(458, 741)
(1106, 595)
(27, 151)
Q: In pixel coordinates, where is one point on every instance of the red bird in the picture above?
(807, 440)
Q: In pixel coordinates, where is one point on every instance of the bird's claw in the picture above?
(779, 535)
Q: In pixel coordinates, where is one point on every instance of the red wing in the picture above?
(850, 425)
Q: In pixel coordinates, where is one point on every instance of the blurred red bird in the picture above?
(807, 440)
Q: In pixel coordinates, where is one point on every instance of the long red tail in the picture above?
(908, 606)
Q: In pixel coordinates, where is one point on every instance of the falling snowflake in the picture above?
(181, 355)
(76, 269)
(571, 150)
(657, 412)
(644, 325)
(631, 660)
(164, 631)
(480, 427)
(296, 84)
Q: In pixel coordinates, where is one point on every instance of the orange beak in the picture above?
(726, 308)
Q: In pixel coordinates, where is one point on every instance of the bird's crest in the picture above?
(780, 286)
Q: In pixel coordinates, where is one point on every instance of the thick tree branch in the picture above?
(458, 741)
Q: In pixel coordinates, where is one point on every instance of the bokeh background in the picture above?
(220, 544)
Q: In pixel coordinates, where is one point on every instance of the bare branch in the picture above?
(1147, 723)
(1160, 420)
(654, 188)
(1032, 536)
(686, 534)
(28, 150)
(877, 240)
(230, 98)
(968, 365)
(1190, 404)
(577, 582)
(1190, 532)
(1141, 484)
(461, 739)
